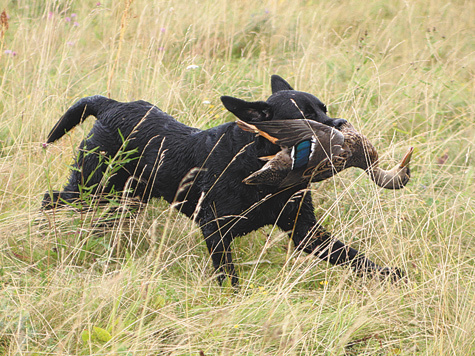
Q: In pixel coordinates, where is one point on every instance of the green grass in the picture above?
(401, 72)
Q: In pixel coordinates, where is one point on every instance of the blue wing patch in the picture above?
(301, 154)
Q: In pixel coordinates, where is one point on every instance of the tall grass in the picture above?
(401, 72)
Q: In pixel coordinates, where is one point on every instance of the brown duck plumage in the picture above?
(311, 151)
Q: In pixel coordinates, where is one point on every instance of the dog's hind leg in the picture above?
(311, 237)
(86, 175)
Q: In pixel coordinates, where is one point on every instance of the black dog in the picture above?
(165, 151)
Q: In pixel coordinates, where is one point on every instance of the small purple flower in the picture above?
(10, 52)
(163, 29)
(50, 15)
(73, 15)
(98, 3)
(161, 48)
(70, 43)
(67, 19)
(44, 145)
(76, 24)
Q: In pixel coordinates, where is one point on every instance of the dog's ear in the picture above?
(248, 111)
(278, 83)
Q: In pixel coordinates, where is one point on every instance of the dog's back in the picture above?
(162, 151)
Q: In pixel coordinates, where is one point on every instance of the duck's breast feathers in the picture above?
(288, 133)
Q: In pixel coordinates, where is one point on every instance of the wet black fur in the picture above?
(166, 151)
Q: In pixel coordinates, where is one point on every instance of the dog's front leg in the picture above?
(298, 218)
(218, 242)
(320, 242)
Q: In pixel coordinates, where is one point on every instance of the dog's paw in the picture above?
(49, 200)
(52, 200)
(394, 274)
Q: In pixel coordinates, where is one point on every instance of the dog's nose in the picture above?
(337, 123)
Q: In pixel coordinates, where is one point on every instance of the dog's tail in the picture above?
(77, 114)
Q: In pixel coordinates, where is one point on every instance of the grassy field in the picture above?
(401, 71)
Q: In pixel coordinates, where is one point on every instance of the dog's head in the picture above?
(285, 103)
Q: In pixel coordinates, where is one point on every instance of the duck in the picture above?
(312, 152)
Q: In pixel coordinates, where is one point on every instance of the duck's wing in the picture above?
(274, 171)
(288, 133)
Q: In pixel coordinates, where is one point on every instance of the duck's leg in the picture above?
(311, 237)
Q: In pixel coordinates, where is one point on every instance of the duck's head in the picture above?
(395, 178)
